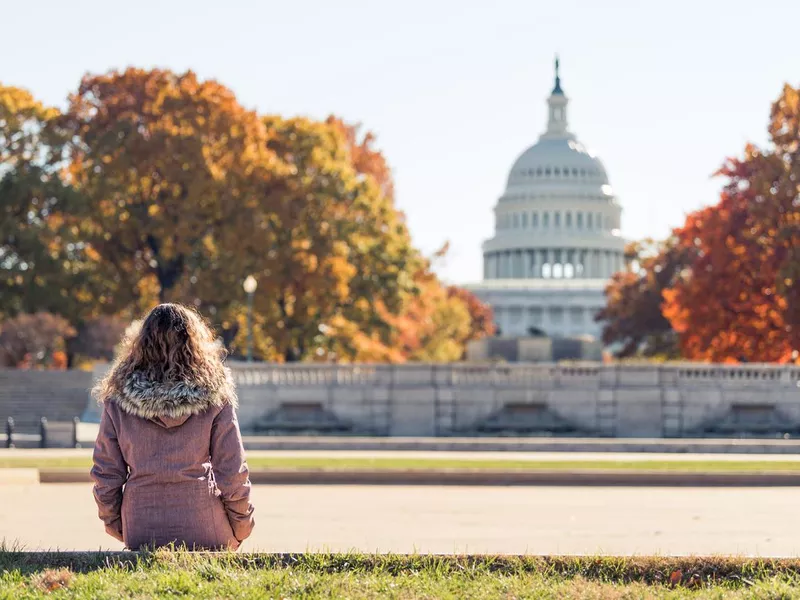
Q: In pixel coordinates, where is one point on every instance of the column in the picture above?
(535, 264)
(526, 264)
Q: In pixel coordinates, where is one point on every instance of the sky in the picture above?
(455, 90)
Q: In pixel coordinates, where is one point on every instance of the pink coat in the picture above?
(169, 467)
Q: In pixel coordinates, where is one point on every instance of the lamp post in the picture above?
(250, 284)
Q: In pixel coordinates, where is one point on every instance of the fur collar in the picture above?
(152, 399)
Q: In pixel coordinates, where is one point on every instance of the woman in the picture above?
(169, 464)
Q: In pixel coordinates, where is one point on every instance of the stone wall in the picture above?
(683, 400)
(27, 396)
(592, 399)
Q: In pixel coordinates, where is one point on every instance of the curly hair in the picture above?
(172, 345)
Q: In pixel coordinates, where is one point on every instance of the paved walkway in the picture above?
(451, 455)
(446, 519)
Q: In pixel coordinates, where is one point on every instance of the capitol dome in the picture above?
(557, 160)
(556, 241)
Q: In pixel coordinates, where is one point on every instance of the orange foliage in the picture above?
(739, 298)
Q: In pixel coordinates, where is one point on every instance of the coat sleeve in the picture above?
(231, 473)
(109, 473)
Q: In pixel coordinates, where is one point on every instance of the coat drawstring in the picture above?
(212, 483)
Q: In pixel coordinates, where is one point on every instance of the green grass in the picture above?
(676, 466)
(166, 574)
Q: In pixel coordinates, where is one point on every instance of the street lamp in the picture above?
(250, 284)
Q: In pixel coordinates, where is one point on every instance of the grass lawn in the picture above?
(175, 574)
(677, 466)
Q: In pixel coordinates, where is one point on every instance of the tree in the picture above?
(365, 158)
(42, 262)
(481, 314)
(738, 298)
(37, 340)
(168, 163)
(435, 325)
(632, 319)
(332, 255)
(97, 337)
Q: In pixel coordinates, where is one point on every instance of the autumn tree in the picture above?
(43, 264)
(331, 247)
(480, 314)
(633, 321)
(35, 340)
(167, 162)
(738, 297)
(97, 337)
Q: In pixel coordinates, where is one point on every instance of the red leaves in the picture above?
(733, 303)
(727, 281)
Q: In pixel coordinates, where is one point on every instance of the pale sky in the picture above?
(455, 90)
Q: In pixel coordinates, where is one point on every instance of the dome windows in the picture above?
(561, 270)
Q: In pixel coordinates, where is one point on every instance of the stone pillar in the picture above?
(507, 265)
(486, 267)
(534, 274)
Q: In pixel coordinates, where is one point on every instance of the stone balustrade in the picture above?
(671, 400)
(587, 399)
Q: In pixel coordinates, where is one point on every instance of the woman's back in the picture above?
(171, 438)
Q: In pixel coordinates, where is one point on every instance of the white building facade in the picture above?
(557, 239)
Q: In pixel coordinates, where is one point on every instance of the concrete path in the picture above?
(457, 519)
(452, 455)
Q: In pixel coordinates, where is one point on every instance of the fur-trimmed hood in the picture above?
(171, 402)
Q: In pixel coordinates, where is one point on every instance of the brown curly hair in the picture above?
(172, 345)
